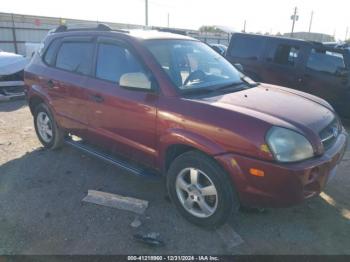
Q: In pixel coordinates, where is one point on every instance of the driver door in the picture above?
(121, 120)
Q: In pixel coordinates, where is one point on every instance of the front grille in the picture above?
(18, 76)
(330, 134)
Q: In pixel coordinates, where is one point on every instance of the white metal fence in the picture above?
(16, 30)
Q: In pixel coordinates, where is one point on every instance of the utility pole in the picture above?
(146, 12)
(168, 20)
(244, 26)
(311, 18)
(295, 18)
(14, 34)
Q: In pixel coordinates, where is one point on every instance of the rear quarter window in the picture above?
(50, 54)
(247, 47)
(325, 61)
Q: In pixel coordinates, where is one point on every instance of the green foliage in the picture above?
(210, 29)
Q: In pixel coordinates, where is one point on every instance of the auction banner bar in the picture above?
(189, 258)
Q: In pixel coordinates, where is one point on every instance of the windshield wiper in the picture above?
(249, 81)
(198, 90)
(237, 86)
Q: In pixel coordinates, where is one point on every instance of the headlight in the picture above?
(288, 146)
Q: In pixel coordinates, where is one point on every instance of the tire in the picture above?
(53, 141)
(190, 198)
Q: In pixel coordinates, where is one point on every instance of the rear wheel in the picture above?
(201, 190)
(46, 128)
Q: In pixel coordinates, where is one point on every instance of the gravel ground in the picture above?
(42, 211)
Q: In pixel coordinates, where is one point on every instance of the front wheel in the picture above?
(201, 190)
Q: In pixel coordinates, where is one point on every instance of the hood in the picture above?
(11, 63)
(278, 106)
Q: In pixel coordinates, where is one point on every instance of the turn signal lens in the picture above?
(256, 172)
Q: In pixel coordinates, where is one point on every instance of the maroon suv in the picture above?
(164, 104)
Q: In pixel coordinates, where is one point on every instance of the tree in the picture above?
(209, 29)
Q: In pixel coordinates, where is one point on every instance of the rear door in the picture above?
(282, 63)
(324, 75)
(122, 120)
(72, 64)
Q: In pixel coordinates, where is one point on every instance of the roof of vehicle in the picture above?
(154, 34)
(275, 37)
(143, 34)
(318, 45)
(221, 45)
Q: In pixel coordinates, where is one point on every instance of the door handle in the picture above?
(97, 98)
(50, 84)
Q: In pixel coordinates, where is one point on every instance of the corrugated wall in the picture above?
(16, 30)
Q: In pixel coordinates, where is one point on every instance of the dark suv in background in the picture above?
(321, 70)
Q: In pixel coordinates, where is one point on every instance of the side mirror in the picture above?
(239, 67)
(135, 81)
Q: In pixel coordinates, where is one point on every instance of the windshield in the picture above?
(193, 65)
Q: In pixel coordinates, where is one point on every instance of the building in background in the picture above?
(317, 37)
(20, 33)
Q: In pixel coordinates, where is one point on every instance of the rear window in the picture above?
(75, 57)
(247, 47)
(325, 61)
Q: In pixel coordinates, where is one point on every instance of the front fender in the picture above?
(178, 136)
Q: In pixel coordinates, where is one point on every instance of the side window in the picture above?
(75, 57)
(247, 47)
(286, 55)
(49, 57)
(325, 61)
(113, 61)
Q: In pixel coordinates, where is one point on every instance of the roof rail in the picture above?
(343, 45)
(99, 27)
(316, 43)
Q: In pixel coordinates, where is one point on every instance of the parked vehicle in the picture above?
(11, 75)
(31, 48)
(163, 104)
(219, 48)
(321, 70)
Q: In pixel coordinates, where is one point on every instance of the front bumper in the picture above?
(282, 185)
(11, 90)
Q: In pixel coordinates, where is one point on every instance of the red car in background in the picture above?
(164, 104)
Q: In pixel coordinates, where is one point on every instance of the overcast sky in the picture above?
(262, 15)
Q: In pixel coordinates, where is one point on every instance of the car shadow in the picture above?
(9, 106)
(41, 193)
(321, 225)
(42, 211)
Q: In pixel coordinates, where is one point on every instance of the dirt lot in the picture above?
(41, 211)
